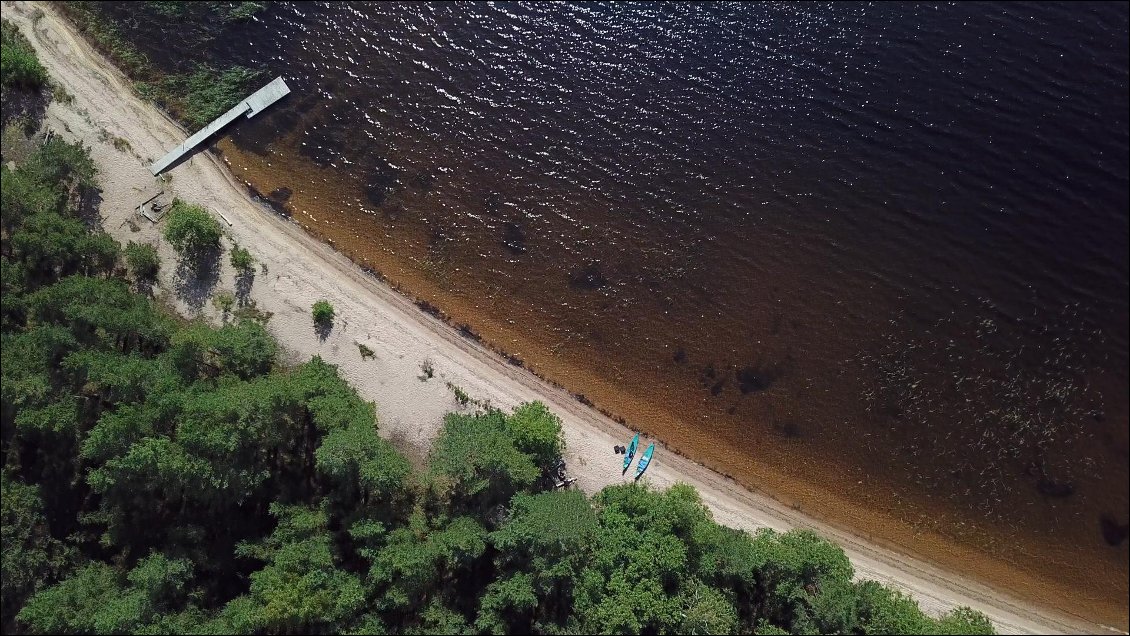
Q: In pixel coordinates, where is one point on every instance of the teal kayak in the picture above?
(645, 460)
(631, 452)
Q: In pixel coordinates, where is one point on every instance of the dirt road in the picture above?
(299, 270)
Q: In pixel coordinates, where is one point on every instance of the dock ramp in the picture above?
(256, 103)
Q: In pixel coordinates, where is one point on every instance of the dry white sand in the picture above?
(301, 270)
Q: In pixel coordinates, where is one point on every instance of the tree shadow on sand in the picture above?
(323, 329)
(30, 106)
(243, 281)
(144, 286)
(195, 278)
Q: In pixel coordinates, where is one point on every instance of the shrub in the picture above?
(242, 259)
(143, 261)
(366, 352)
(323, 313)
(191, 230)
(224, 301)
(19, 67)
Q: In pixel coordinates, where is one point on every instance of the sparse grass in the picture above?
(108, 39)
(120, 144)
(464, 399)
(15, 142)
(226, 11)
(460, 395)
(242, 11)
(60, 94)
(251, 311)
(366, 353)
(428, 371)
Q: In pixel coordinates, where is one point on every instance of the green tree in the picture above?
(547, 542)
(31, 556)
(51, 246)
(143, 261)
(191, 230)
(424, 560)
(301, 589)
(360, 464)
(97, 600)
(481, 465)
(73, 605)
(102, 312)
(244, 348)
(536, 431)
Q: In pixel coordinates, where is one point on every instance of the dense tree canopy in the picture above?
(170, 477)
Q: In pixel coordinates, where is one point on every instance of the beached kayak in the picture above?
(631, 452)
(645, 460)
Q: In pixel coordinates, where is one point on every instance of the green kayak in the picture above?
(631, 452)
(645, 460)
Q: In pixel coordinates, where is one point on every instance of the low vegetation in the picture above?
(162, 476)
(366, 352)
(19, 67)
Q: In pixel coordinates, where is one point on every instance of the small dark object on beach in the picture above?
(618, 449)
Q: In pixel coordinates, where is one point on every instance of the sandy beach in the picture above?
(297, 270)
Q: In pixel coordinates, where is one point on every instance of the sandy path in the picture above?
(301, 270)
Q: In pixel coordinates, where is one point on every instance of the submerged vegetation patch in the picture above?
(1003, 412)
(194, 96)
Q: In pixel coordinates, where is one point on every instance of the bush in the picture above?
(143, 261)
(191, 230)
(241, 259)
(19, 67)
(224, 301)
(323, 313)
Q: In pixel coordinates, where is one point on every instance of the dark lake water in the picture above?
(864, 253)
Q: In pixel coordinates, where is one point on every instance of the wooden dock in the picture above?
(256, 103)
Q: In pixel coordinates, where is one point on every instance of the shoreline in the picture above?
(372, 313)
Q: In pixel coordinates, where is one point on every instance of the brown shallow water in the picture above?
(872, 260)
(798, 438)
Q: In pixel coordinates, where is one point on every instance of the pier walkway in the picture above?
(253, 105)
